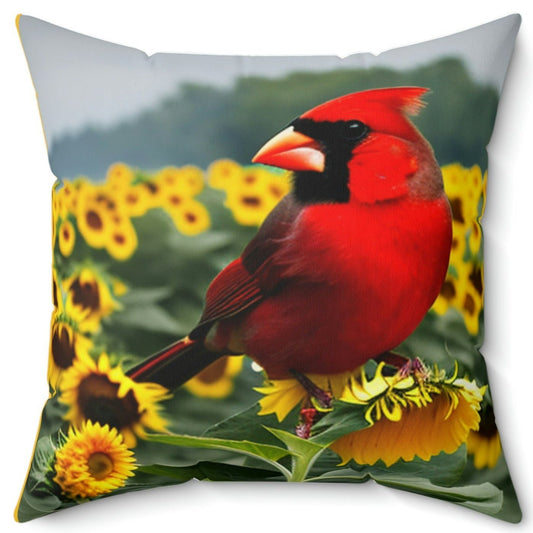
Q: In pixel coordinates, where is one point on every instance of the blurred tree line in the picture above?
(200, 124)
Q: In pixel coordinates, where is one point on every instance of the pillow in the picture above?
(268, 269)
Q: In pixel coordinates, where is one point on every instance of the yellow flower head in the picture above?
(119, 176)
(223, 174)
(122, 241)
(249, 204)
(88, 299)
(93, 214)
(67, 237)
(136, 200)
(484, 444)
(216, 381)
(190, 217)
(57, 295)
(66, 345)
(101, 393)
(281, 396)
(93, 460)
(193, 179)
(416, 413)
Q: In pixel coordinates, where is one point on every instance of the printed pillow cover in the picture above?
(268, 269)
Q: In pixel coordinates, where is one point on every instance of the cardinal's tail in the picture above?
(175, 364)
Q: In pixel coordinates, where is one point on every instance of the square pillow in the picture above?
(268, 269)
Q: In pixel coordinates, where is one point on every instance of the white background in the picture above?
(268, 27)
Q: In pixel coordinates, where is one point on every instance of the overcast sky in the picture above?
(82, 80)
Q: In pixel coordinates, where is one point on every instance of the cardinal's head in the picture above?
(361, 147)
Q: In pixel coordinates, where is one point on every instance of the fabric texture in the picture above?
(268, 269)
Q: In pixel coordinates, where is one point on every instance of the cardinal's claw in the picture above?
(322, 397)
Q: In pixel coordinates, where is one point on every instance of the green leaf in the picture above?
(297, 445)
(266, 452)
(211, 471)
(344, 419)
(485, 498)
(249, 425)
(304, 453)
(443, 469)
(180, 474)
(148, 317)
(144, 296)
(227, 472)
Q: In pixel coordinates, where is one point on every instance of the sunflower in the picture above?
(88, 299)
(66, 345)
(67, 237)
(484, 444)
(93, 460)
(93, 216)
(417, 412)
(192, 178)
(223, 174)
(249, 201)
(216, 381)
(122, 241)
(278, 185)
(136, 200)
(169, 178)
(281, 396)
(57, 295)
(472, 302)
(101, 393)
(119, 176)
(190, 218)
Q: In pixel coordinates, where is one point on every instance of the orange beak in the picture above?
(293, 151)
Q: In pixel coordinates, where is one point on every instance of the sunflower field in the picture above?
(133, 257)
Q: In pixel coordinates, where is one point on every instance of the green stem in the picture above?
(301, 464)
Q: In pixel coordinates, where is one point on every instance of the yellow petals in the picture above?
(421, 413)
(122, 241)
(88, 299)
(93, 460)
(190, 217)
(119, 176)
(466, 191)
(99, 392)
(67, 238)
(66, 345)
(223, 174)
(281, 396)
(216, 381)
(484, 445)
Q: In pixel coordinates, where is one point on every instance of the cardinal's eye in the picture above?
(354, 130)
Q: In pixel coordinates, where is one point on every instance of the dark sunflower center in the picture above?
(100, 465)
(63, 352)
(251, 201)
(469, 304)
(448, 290)
(477, 280)
(54, 292)
(93, 220)
(99, 402)
(119, 238)
(85, 294)
(487, 424)
(457, 209)
(214, 371)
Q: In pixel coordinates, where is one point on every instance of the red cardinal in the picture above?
(347, 264)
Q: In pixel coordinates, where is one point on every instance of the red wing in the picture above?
(250, 278)
(232, 291)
